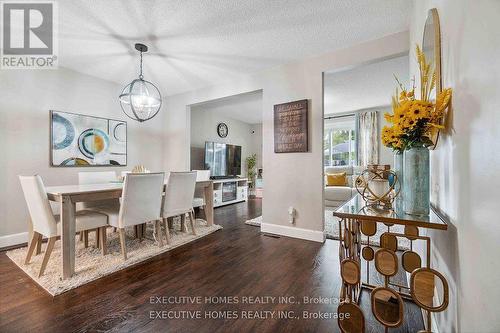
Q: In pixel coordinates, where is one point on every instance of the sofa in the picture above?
(335, 196)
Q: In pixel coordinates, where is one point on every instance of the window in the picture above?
(339, 143)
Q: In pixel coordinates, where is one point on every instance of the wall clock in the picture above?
(222, 130)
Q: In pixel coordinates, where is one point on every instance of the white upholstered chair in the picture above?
(48, 225)
(199, 193)
(178, 200)
(141, 202)
(96, 177)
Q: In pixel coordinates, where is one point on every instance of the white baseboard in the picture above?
(13, 239)
(312, 235)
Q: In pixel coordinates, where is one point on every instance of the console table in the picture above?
(230, 190)
(357, 218)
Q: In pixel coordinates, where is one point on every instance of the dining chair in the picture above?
(96, 177)
(141, 202)
(199, 193)
(178, 199)
(45, 223)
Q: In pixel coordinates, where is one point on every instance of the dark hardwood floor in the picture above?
(237, 262)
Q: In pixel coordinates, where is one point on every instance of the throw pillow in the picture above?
(336, 179)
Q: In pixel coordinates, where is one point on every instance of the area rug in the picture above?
(255, 222)
(332, 230)
(91, 265)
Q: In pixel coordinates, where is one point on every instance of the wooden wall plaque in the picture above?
(290, 127)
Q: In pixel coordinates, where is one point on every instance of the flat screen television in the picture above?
(223, 160)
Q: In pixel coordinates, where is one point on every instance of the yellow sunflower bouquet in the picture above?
(413, 121)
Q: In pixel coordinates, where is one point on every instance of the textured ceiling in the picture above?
(199, 43)
(245, 107)
(365, 86)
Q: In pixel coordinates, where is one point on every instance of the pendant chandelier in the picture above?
(140, 100)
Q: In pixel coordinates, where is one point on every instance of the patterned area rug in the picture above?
(91, 265)
(332, 230)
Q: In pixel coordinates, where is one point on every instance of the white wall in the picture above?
(291, 179)
(204, 128)
(25, 101)
(466, 164)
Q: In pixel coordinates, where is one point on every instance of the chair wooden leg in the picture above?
(204, 215)
(46, 256)
(122, 243)
(86, 238)
(191, 219)
(136, 231)
(39, 245)
(103, 240)
(81, 235)
(183, 223)
(159, 233)
(142, 231)
(97, 238)
(35, 239)
(170, 222)
(167, 231)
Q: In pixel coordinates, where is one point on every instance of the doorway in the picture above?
(355, 100)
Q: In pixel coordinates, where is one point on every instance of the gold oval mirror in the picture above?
(368, 253)
(386, 262)
(431, 46)
(350, 318)
(387, 306)
(389, 241)
(429, 289)
(369, 228)
(411, 232)
(350, 271)
(411, 261)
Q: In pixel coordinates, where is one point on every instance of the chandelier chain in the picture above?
(140, 74)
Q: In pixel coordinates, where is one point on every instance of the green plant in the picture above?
(251, 163)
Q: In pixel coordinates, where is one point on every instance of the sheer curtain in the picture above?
(368, 138)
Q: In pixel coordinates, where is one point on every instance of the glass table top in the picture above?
(358, 208)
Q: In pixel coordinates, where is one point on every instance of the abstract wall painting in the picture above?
(78, 141)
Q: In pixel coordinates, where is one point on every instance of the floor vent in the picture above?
(271, 235)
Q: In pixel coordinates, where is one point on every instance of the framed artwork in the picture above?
(290, 127)
(80, 141)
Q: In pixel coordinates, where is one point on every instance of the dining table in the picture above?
(68, 195)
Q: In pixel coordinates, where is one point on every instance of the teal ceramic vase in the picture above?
(416, 190)
(398, 170)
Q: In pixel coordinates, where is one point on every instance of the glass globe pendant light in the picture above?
(140, 100)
